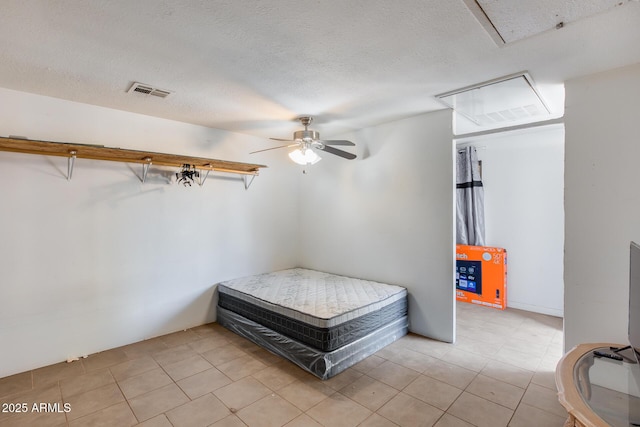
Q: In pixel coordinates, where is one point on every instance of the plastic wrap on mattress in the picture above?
(322, 364)
(325, 339)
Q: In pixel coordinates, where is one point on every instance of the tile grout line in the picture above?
(125, 397)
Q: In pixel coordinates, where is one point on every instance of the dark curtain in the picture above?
(469, 199)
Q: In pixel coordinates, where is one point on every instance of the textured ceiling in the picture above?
(516, 19)
(253, 66)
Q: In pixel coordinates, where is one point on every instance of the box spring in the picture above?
(323, 364)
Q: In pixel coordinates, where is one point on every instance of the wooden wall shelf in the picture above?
(100, 152)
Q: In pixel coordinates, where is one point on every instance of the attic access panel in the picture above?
(507, 101)
(507, 21)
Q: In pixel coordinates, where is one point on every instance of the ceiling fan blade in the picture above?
(274, 148)
(338, 152)
(281, 139)
(336, 142)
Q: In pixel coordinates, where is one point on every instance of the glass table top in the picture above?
(611, 388)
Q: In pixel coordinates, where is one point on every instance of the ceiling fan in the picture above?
(307, 140)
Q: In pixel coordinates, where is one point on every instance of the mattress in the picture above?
(323, 364)
(323, 310)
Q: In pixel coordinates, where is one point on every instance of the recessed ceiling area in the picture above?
(508, 101)
(254, 67)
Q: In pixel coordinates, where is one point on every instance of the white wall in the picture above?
(602, 203)
(388, 215)
(523, 179)
(104, 260)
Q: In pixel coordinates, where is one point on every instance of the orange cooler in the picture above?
(481, 275)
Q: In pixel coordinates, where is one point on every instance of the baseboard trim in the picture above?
(536, 309)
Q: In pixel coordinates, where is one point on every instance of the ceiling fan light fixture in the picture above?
(308, 157)
(305, 140)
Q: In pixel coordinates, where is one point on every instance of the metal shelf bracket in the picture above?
(145, 168)
(70, 162)
(204, 178)
(248, 181)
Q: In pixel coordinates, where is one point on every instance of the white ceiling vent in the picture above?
(502, 102)
(145, 89)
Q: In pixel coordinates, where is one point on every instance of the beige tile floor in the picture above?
(499, 373)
